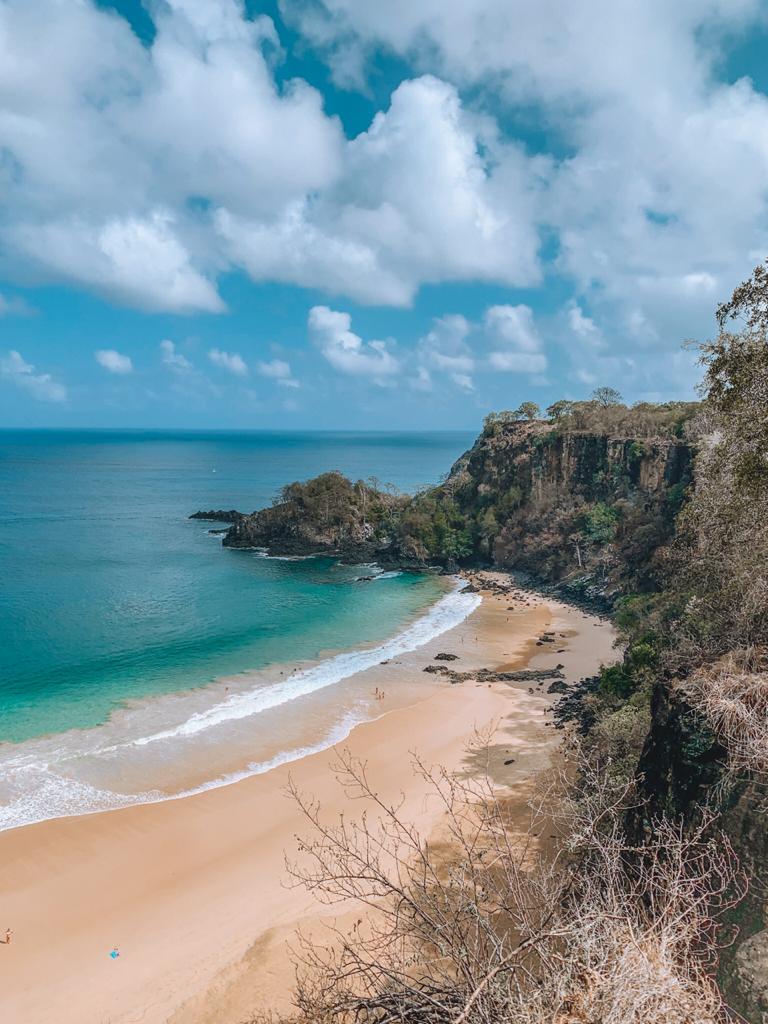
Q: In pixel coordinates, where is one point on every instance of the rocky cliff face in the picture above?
(572, 505)
(584, 508)
(328, 515)
(549, 465)
(283, 534)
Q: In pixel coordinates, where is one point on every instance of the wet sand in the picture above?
(192, 891)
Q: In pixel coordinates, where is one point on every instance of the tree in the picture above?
(527, 411)
(560, 409)
(487, 934)
(748, 302)
(606, 396)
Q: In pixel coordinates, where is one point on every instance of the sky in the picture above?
(335, 214)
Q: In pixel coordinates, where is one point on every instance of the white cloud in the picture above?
(144, 172)
(113, 361)
(445, 349)
(278, 370)
(516, 342)
(427, 194)
(514, 326)
(463, 380)
(173, 359)
(659, 204)
(347, 352)
(275, 368)
(422, 381)
(135, 260)
(518, 362)
(41, 386)
(579, 323)
(232, 362)
(114, 150)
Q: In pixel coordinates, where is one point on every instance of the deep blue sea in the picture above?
(110, 594)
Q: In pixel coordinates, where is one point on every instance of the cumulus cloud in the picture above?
(427, 194)
(146, 171)
(278, 370)
(346, 351)
(173, 359)
(517, 345)
(445, 349)
(135, 260)
(114, 150)
(41, 386)
(232, 362)
(657, 192)
(582, 325)
(505, 338)
(113, 361)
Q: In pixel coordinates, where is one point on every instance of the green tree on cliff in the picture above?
(527, 411)
(560, 409)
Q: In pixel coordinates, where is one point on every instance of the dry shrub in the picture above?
(616, 739)
(732, 694)
(603, 933)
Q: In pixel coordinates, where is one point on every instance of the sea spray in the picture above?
(37, 789)
(447, 613)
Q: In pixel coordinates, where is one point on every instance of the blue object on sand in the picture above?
(114, 954)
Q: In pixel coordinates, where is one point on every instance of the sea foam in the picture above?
(447, 613)
(36, 791)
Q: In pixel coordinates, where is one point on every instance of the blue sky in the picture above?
(340, 213)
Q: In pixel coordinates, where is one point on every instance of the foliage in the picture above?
(749, 303)
(637, 668)
(560, 409)
(527, 411)
(606, 396)
(599, 523)
(485, 934)
(721, 554)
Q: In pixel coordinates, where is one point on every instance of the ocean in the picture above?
(132, 642)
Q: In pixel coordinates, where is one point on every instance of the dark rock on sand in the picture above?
(557, 687)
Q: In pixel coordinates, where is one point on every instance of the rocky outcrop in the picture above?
(750, 978)
(487, 675)
(326, 515)
(580, 509)
(218, 516)
(282, 534)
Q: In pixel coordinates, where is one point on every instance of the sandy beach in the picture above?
(192, 891)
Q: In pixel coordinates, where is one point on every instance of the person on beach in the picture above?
(114, 952)
(8, 936)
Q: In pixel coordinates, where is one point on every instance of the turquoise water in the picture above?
(109, 593)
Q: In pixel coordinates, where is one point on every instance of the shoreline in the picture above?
(195, 709)
(190, 889)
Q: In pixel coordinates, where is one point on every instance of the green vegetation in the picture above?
(599, 524)
(660, 512)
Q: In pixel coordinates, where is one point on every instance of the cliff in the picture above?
(589, 508)
(579, 508)
(328, 515)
